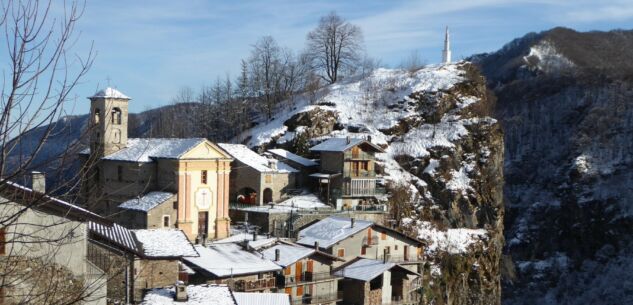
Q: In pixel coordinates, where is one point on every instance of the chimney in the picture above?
(254, 235)
(352, 221)
(181, 292)
(369, 138)
(316, 245)
(277, 255)
(348, 139)
(38, 182)
(272, 163)
(385, 256)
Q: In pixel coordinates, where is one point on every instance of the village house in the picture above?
(375, 282)
(348, 238)
(137, 260)
(307, 274)
(211, 294)
(232, 264)
(43, 248)
(182, 183)
(347, 172)
(305, 166)
(259, 180)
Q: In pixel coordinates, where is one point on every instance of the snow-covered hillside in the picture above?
(438, 142)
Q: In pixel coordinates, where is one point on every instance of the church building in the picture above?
(153, 182)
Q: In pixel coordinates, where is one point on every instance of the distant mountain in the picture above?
(564, 100)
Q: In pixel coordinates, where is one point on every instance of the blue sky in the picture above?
(149, 49)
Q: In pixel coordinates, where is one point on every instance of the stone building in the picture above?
(305, 166)
(119, 168)
(259, 180)
(347, 172)
(307, 275)
(374, 282)
(348, 238)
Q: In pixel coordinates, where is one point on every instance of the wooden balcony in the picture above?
(318, 299)
(305, 278)
(360, 187)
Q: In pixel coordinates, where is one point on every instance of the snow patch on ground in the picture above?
(453, 241)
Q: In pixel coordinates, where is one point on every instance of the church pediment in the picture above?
(205, 150)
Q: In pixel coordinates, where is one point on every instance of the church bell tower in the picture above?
(108, 117)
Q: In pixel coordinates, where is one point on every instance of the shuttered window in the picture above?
(203, 179)
(341, 252)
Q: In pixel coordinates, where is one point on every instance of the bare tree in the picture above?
(39, 73)
(334, 45)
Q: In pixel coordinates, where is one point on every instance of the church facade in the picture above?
(181, 183)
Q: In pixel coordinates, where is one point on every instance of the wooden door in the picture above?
(298, 270)
(310, 265)
(355, 168)
(203, 220)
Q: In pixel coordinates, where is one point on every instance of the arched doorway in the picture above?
(268, 195)
(247, 195)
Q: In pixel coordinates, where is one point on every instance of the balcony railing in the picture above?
(360, 187)
(306, 277)
(318, 299)
(254, 285)
(401, 259)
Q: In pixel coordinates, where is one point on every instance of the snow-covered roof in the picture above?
(330, 231)
(261, 240)
(147, 201)
(254, 298)
(164, 243)
(288, 254)
(110, 93)
(342, 144)
(224, 260)
(146, 149)
(115, 234)
(250, 158)
(292, 157)
(197, 295)
(364, 269)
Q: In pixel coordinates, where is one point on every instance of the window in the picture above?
(3, 241)
(287, 271)
(299, 291)
(288, 290)
(268, 178)
(356, 152)
(364, 165)
(203, 177)
(166, 221)
(175, 205)
(395, 247)
(119, 173)
(97, 116)
(363, 250)
(383, 236)
(116, 116)
(341, 252)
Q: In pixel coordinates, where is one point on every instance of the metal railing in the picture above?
(400, 259)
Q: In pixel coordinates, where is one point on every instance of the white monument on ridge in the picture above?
(446, 53)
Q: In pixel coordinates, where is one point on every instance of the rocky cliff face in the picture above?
(441, 148)
(564, 102)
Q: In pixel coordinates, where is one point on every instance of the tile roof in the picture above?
(260, 163)
(147, 201)
(330, 231)
(223, 260)
(116, 234)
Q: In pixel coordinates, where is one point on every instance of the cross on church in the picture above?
(108, 79)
